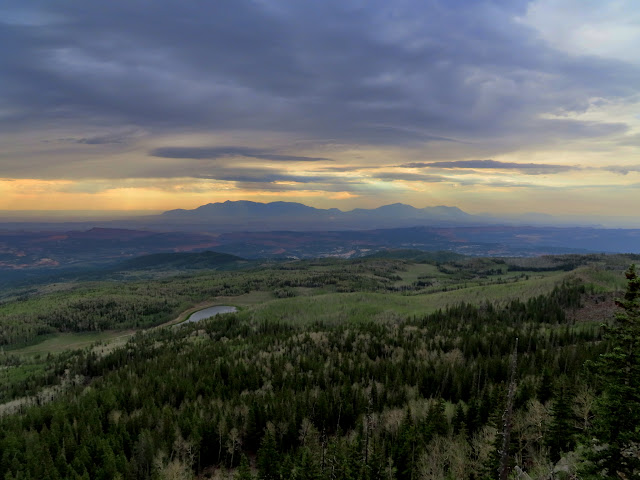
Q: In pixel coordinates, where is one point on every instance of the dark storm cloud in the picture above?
(212, 153)
(527, 168)
(338, 70)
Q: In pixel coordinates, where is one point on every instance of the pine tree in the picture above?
(405, 447)
(458, 423)
(308, 467)
(616, 450)
(561, 435)
(243, 472)
(545, 388)
(268, 458)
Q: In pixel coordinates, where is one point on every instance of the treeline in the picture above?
(418, 398)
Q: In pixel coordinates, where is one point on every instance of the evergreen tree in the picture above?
(309, 468)
(545, 388)
(436, 421)
(268, 458)
(404, 451)
(616, 449)
(561, 435)
(458, 423)
(243, 472)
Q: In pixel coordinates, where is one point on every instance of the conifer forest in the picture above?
(390, 367)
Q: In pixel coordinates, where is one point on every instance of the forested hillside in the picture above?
(324, 386)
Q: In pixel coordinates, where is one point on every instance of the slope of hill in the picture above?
(182, 260)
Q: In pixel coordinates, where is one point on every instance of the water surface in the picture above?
(210, 312)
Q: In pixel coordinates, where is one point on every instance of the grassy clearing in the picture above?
(70, 341)
(20, 372)
(415, 272)
(604, 279)
(360, 306)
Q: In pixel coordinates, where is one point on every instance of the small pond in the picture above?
(210, 312)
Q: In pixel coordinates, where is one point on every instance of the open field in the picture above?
(361, 306)
(60, 342)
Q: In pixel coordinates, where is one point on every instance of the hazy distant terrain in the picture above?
(255, 216)
(45, 251)
(291, 230)
(246, 216)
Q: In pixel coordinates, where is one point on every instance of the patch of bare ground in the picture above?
(597, 307)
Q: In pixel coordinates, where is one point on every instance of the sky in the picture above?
(502, 106)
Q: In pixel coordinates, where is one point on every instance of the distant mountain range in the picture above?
(250, 216)
(247, 216)
(255, 216)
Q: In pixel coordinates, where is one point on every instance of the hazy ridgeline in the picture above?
(328, 371)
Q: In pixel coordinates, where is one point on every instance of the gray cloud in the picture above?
(411, 72)
(527, 168)
(252, 175)
(630, 140)
(622, 169)
(213, 153)
(410, 177)
(279, 187)
(104, 139)
(348, 168)
(512, 185)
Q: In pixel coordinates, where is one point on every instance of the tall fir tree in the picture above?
(561, 435)
(269, 459)
(615, 450)
(244, 471)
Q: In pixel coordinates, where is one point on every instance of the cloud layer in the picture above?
(366, 73)
(229, 152)
(403, 91)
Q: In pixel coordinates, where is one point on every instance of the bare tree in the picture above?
(507, 417)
